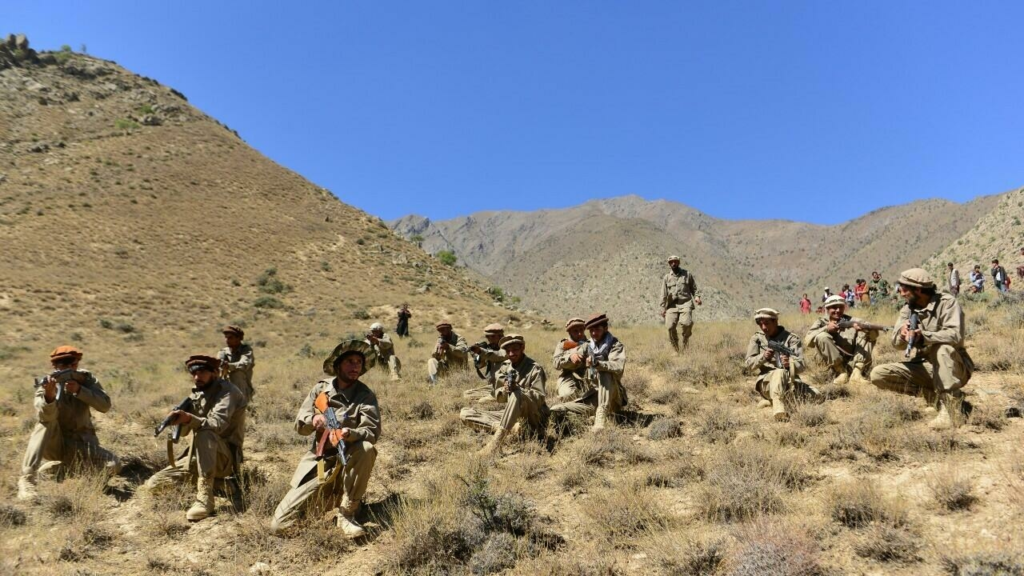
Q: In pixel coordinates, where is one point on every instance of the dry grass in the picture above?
(746, 480)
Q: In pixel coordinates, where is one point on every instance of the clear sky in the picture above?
(817, 111)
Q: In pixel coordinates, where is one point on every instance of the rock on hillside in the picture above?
(125, 211)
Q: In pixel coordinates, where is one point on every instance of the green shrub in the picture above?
(447, 257)
(268, 302)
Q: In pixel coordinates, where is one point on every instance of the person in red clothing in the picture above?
(862, 290)
(805, 305)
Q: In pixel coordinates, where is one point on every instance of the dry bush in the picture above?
(774, 549)
(609, 447)
(717, 425)
(623, 512)
(675, 475)
(997, 563)
(664, 428)
(857, 504)
(749, 479)
(951, 490)
(811, 415)
(664, 396)
(11, 516)
(686, 554)
(988, 418)
(888, 544)
(637, 383)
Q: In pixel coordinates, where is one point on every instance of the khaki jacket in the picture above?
(615, 365)
(458, 351)
(844, 339)
(240, 366)
(73, 413)
(756, 364)
(678, 288)
(220, 408)
(489, 362)
(941, 322)
(562, 360)
(530, 378)
(384, 349)
(363, 420)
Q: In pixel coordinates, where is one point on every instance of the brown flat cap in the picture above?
(442, 324)
(65, 353)
(916, 277)
(572, 322)
(493, 329)
(199, 362)
(233, 330)
(766, 313)
(511, 339)
(596, 320)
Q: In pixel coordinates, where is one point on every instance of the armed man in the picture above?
(384, 351)
(879, 289)
(775, 355)
(64, 433)
(214, 416)
(450, 353)
(344, 414)
(487, 358)
(604, 361)
(572, 383)
(522, 381)
(678, 296)
(930, 329)
(843, 343)
(237, 360)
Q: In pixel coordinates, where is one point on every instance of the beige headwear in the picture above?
(494, 329)
(511, 339)
(916, 277)
(835, 300)
(766, 313)
(574, 322)
(673, 258)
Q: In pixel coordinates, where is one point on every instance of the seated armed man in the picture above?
(842, 343)
(604, 361)
(215, 420)
(451, 353)
(572, 383)
(64, 433)
(384, 351)
(487, 359)
(775, 355)
(344, 414)
(237, 360)
(523, 382)
(930, 329)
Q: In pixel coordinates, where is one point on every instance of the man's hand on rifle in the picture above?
(768, 355)
(698, 301)
(319, 422)
(50, 389)
(832, 327)
(346, 434)
(575, 358)
(72, 386)
(180, 417)
(785, 361)
(373, 339)
(663, 313)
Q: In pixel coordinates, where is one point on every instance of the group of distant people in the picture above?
(1000, 279)
(865, 292)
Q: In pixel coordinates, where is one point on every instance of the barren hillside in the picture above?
(1000, 234)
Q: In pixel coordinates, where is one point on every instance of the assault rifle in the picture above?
(912, 339)
(184, 406)
(335, 423)
(781, 350)
(61, 377)
(865, 326)
(511, 380)
(588, 352)
(484, 345)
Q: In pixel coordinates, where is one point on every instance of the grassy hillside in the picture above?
(1000, 234)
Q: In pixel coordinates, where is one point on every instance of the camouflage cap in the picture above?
(597, 320)
(64, 353)
(673, 258)
(234, 330)
(511, 339)
(494, 329)
(917, 278)
(443, 324)
(347, 347)
(198, 362)
(574, 322)
(834, 300)
(766, 313)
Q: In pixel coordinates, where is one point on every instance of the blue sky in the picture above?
(817, 111)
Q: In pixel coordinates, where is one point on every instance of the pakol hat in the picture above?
(376, 326)
(442, 324)
(64, 353)
(494, 329)
(573, 322)
(834, 300)
(597, 320)
(233, 330)
(511, 339)
(673, 258)
(917, 278)
(827, 288)
(347, 347)
(199, 362)
(766, 313)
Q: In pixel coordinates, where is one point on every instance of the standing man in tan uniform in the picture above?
(451, 353)
(488, 356)
(846, 351)
(678, 296)
(572, 383)
(216, 423)
(384, 351)
(325, 479)
(778, 375)
(939, 365)
(604, 361)
(237, 360)
(522, 381)
(64, 433)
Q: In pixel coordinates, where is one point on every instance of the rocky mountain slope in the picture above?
(127, 213)
(999, 234)
(613, 251)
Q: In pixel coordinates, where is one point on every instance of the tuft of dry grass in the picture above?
(811, 415)
(860, 503)
(749, 479)
(623, 512)
(664, 428)
(775, 549)
(888, 544)
(987, 563)
(951, 490)
(717, 425)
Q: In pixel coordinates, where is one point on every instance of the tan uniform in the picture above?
(218, 434)
(571, 375)
(779, 385)
(607, 396)
(386, 358)
(678, 288)
(842, 351)
(489, 362)
(526, 402)
(239, 367)
(64, 431)
(942, 365)
(349, 484)
(457, 357)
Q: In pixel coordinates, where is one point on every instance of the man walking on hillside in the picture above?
(999, 277)
(778, 374)
(237, 360)
(954, 279)
(604, 361)
(450, 353)
(930, 329)
(384, 350)
(678, 296)
(64, 433)
(488, 357)
(879, 288)
(846, 351)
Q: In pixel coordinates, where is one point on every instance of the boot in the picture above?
(494, 446)
(203, 506)
(858, 377)
(781, 416)
(764, 403)
(841, 378)
(346, 519)
(943, 421)
(599, 419)
(27, 488)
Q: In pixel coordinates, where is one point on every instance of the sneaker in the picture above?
(27, 489)
(349, 527)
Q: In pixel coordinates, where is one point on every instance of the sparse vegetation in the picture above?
(447, 257)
